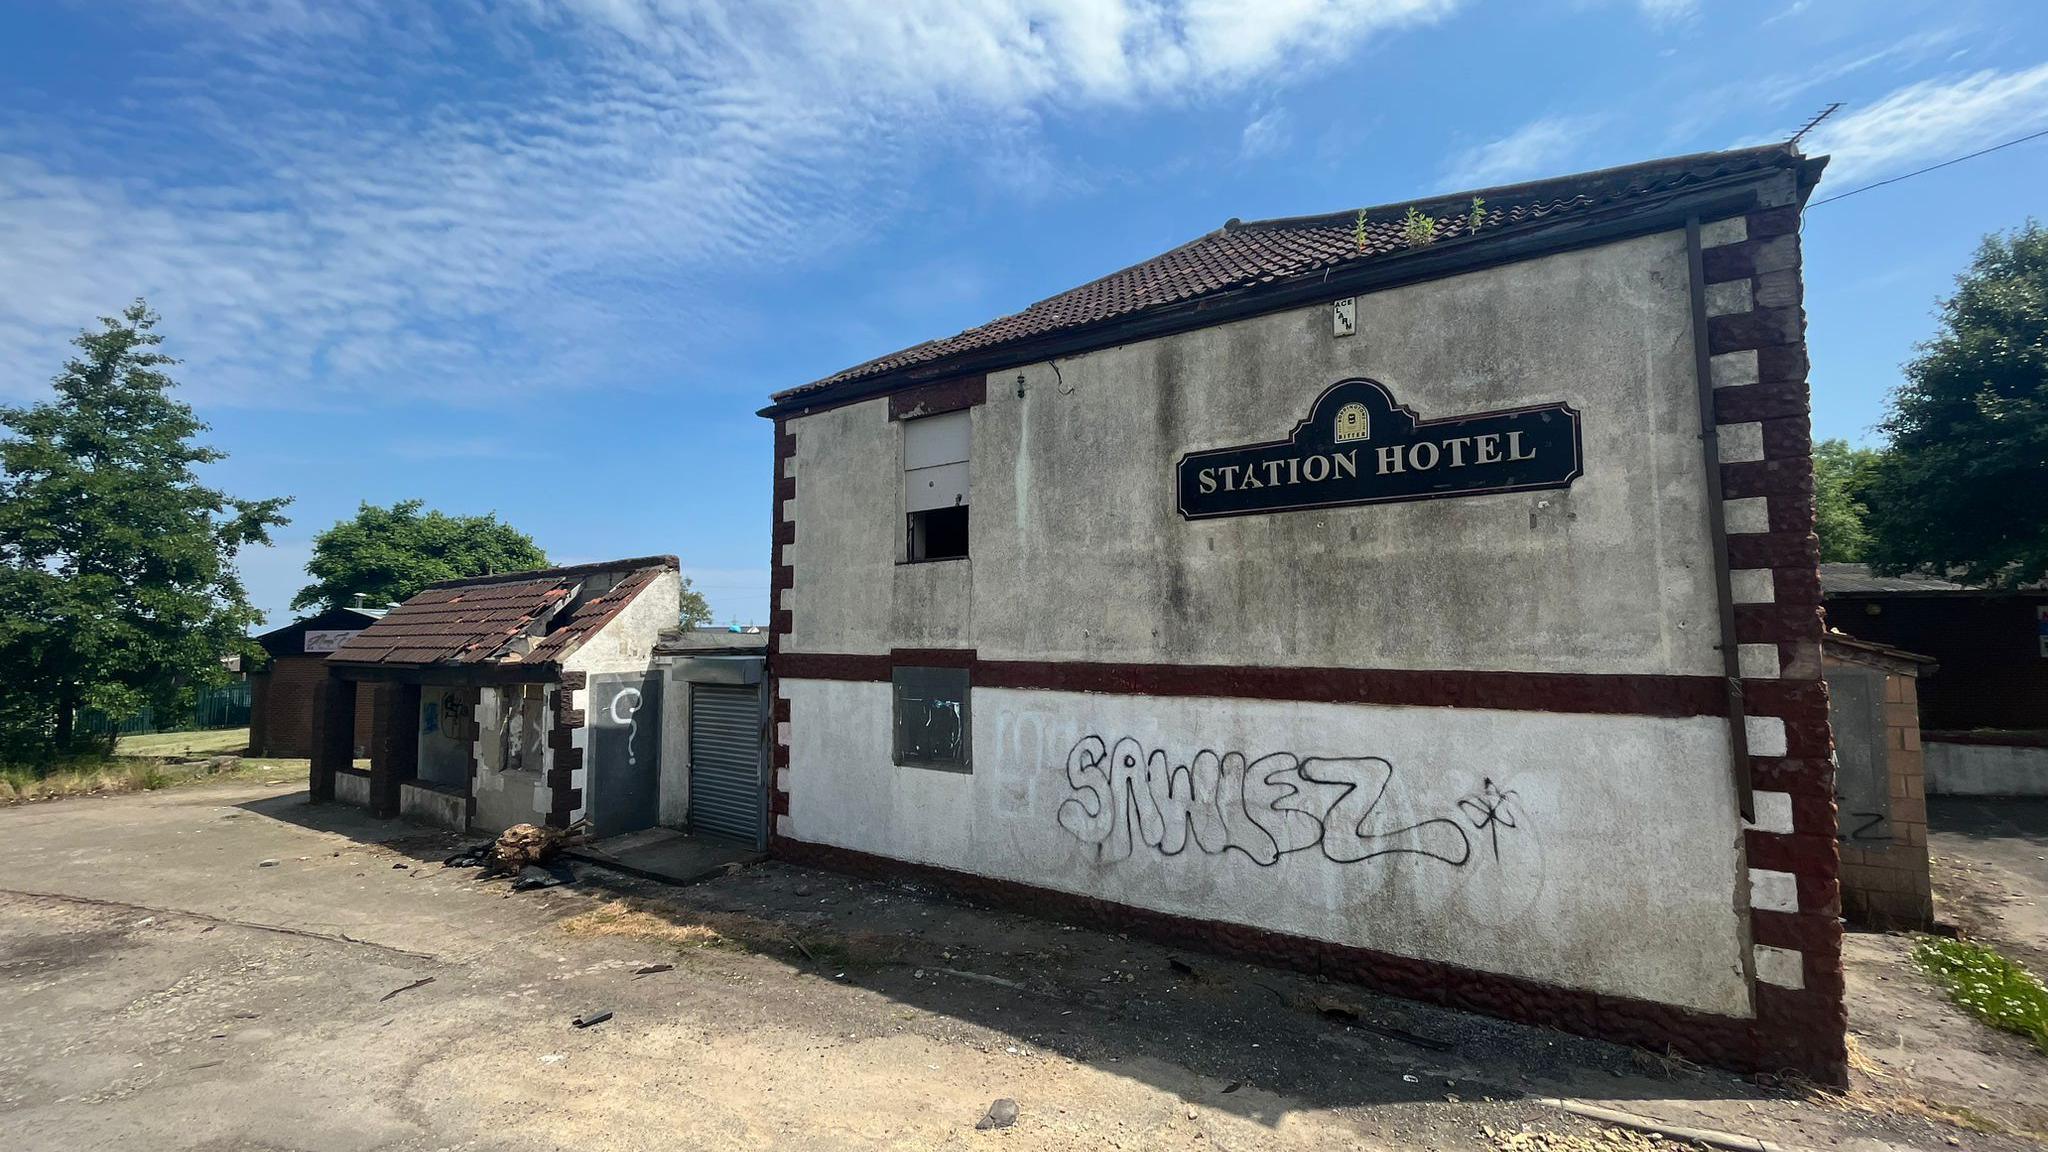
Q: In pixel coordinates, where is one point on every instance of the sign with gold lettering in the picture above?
(1358, 446)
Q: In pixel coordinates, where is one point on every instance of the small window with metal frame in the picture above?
(933, 721)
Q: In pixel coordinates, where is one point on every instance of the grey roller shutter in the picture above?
(727, 793)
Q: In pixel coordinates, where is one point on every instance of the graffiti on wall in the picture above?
(1125, 795)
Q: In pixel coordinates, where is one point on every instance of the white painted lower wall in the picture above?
(352, 788)
(1985, 769)
(1591, 852)
(436, 806)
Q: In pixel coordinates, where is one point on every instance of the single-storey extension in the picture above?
(1423, 595)
(507, 699)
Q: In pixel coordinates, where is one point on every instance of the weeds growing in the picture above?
(1990, 987)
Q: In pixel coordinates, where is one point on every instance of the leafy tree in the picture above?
(1960, 489)
(1842, 480)
(117, 580)
(696, 611)
(388, 554)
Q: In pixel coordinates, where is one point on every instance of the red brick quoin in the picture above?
(564, 796)
(1802, 1027)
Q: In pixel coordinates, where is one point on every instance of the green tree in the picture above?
(117, 579)
(1842, 480)
(1959, 491)
(388, 554)
(696, 611)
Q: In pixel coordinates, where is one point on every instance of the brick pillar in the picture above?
(781, 620)
(394, 745)
(1756, 335)
(334, 714)
(259, 713)
(565, 764)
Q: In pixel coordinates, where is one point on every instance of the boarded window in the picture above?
(932, 718)
(935, 491)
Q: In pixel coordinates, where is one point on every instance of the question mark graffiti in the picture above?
(626, 717)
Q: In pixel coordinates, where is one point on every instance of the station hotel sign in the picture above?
(1358, 446)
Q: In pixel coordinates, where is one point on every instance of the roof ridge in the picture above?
(537, 574)
(1281, 250)
(1507, 191)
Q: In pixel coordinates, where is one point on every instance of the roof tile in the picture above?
(1241, 255)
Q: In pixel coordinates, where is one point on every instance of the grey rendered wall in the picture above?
(1078, 553)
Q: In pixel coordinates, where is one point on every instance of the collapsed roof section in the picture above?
(522, 619)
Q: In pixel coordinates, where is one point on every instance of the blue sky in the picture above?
(547, 257)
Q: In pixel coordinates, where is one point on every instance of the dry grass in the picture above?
(1605, 1140)
(120, 774)
(1878, 1095)
(708, 930)
(212, 742)
(691, 929)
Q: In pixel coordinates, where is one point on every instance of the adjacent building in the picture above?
(282, 689)
(532, 697)
(1424, 596)
(1984, 713)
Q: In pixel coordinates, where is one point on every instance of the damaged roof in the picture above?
(537, 617)
(1250, 259)
(1857, 579)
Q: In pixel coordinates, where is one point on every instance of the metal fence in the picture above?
(225, 707)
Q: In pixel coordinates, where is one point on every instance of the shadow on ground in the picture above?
(1243, 1033)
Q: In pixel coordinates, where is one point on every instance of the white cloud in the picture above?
(1267, 133)
(1544, 147)
(335, 192)
(1668, 11)
(1933, 120)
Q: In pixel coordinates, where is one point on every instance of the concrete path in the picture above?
(229, 967)
(1991, 870)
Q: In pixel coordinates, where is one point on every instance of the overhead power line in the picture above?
(1931, 168)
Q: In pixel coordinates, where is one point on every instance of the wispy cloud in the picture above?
(1668, 11)
(327, 198)
(1538, 148)
(1267, 133)
(1932, 120)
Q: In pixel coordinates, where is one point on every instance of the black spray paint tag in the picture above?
(1358, 446)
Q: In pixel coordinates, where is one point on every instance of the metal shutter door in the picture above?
(726, 796)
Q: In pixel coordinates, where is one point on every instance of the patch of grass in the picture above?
(216, 742)
(1985, 984)
(97, 776)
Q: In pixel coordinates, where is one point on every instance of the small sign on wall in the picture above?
(328, 640)
(1360, 446)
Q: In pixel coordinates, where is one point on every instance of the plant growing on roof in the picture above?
(1478, 215)
(1418, 229)
(1358, 233)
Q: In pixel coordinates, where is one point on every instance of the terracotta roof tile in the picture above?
(475, 621)
(1245, 255)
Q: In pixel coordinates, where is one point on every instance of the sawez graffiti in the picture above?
(1281, 803)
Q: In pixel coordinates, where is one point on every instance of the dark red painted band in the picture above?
(1626, 695)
